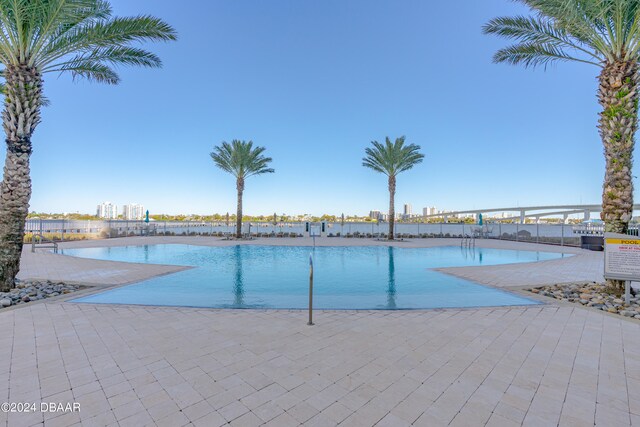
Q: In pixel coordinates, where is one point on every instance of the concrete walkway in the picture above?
(135, 366)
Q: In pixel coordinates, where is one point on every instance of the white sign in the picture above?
(621, 257)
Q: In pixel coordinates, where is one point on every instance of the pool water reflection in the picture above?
(252, 276)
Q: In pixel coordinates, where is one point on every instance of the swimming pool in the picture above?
(253, 276)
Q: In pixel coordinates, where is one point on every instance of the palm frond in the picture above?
(76, 36)
(64, 16)
(391, 158)
(115, 32)
(539, 42)
(241, 159)
(99, 58)
(589, 31)
(534, 54)
(92, 71)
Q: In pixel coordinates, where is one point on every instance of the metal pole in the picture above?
(627, 292)
(310, 323)
(33, 240)
(562, 235)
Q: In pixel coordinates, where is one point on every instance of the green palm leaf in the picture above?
(540, 42)
(241, 159)
(590, 31)
(76, 36)
(392, 158)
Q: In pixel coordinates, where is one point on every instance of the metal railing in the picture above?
(468, 240)
(43, 243)
(597, 229)
(59, 230)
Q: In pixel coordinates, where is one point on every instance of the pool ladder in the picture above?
(468, 241)
(42, 242)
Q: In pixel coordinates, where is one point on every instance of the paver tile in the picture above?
(135, 365)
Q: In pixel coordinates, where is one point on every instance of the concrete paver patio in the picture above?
(549, 364)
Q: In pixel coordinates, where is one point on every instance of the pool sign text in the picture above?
(621, 257)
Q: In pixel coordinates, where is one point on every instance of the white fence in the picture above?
(561, 234)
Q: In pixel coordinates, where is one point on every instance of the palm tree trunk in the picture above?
(240, 188)
(20, 117)
(392, 209)
(618, 123)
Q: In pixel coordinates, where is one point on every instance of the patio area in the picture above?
(552, 364)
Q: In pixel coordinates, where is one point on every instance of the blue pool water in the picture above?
(372, 277)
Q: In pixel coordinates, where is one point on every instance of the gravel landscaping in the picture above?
(591, 295)
(33, 290)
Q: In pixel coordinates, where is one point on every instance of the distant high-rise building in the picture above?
(374, 214)
(133, 211)
(429, 211)
(107, 210)
(408, 210)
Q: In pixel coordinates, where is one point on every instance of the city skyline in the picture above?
(319, 99)
(135, 211)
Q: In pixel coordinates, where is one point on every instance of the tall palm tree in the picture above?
(79, 37)
(241, 160)
(603, 33)
(391, 159)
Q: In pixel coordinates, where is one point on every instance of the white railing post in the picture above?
(310, 323)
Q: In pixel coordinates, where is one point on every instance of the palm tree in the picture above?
(391, 159)
(241, 160)
(604, 33)
(79, 37)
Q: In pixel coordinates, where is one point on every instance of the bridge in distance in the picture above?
(523, 212)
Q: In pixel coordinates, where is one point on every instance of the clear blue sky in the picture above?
(315, 82)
